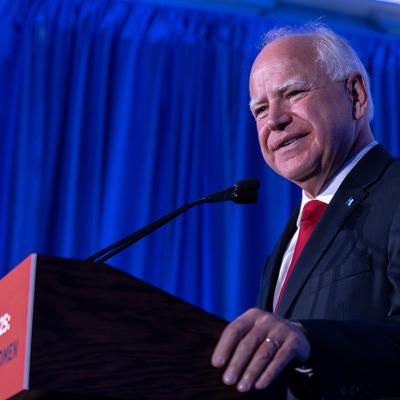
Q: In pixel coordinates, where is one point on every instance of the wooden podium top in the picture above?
(79, 331)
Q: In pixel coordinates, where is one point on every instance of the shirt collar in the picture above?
(330, 188)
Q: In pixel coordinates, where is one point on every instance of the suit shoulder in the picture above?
(392, 172)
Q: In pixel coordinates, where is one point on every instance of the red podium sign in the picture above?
(16, 306)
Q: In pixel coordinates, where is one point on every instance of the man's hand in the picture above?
(256, 347)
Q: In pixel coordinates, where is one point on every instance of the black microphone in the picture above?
(242, 192)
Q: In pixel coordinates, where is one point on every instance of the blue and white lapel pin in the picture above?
(350, 201)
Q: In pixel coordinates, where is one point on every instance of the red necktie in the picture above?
(312, 212)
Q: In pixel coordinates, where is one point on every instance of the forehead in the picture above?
(289, 59)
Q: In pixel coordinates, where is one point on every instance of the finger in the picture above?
(243, 353)
(229, 339)
(258, 364)
(280, 360)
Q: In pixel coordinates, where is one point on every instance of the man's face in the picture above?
(304, 120)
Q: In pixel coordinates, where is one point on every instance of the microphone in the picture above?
(242, 192)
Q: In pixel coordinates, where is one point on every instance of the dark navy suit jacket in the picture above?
(345, 287)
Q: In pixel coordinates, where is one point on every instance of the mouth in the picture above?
(287, 142)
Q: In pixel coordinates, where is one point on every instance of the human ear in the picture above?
(358, 94)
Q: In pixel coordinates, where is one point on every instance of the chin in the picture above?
(293, 174)
(298, 169)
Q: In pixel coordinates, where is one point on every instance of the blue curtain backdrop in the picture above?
(113, 113)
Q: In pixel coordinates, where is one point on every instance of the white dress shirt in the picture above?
(325, 196)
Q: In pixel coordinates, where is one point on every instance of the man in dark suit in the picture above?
(328, 307)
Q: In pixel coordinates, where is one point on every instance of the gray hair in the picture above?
(334, 53)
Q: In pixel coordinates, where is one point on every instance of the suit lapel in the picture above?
(321, 238)
(349, 195)
(274, 262)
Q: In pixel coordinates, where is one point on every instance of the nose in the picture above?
(278, 118)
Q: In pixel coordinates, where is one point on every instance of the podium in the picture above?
(76, 330)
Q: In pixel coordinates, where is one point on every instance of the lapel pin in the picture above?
(349, 201)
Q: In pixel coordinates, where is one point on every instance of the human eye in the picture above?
(260, 111)
(296, 93)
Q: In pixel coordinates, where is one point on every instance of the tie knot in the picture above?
(312, 211)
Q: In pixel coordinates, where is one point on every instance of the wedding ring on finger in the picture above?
(274, 342)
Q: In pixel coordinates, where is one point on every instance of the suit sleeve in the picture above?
(355, 359)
